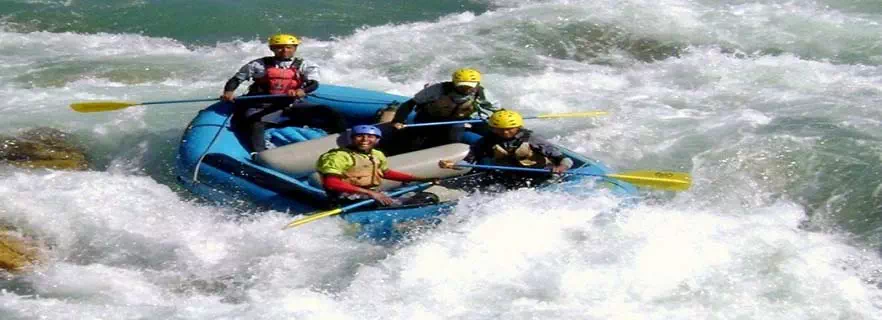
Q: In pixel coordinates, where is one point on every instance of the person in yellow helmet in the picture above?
(509, 144)
(461, 98)
(279, 74)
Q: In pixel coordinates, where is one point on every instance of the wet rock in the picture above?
(43, 148)
(17, 252)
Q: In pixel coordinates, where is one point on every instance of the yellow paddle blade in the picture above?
(665, 180)
(312, 217)
(101, 106)
(572, 115)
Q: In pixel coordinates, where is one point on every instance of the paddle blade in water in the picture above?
(665, 180)
(101, 106)
(312, 217)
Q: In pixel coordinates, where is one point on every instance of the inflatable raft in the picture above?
(213, 163)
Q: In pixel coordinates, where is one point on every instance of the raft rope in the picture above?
(353, 100)
(199, 163)
(224, 125)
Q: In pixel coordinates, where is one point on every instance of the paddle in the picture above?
(321, 214)
(541, 116)
(101, 106)
(664, 180)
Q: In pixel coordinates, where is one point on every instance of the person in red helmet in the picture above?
(279, 74)
(354, 173)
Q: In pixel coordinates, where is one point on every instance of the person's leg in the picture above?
(319, 116)
(250, 120)
(390, 144)
(454, 133)
(524, 180)
(256, 136)
(244, 124)
(419, 138)
(258, 122)
(395, 141)
(334, 122)
(480, 128)
(420, 198)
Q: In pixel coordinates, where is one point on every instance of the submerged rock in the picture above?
(43, 148)
(17, 252)
(36, 148)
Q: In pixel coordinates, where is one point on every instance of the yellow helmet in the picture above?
(466, 75)
(283, 39)
(506, 119)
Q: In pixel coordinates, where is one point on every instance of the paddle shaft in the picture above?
(391, 194)
(103, 106)
(441, 123)
(545, 116)
(214, 99)
(356, 205)
(482, 166)
(674, 181)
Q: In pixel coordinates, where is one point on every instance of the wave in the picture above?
(774, 119)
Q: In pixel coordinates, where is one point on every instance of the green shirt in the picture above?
(337, 161)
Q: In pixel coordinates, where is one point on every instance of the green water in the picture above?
(207, 21)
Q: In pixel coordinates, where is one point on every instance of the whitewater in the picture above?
(772, 106)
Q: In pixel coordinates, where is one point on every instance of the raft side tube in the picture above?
(422, 163)
(298, 159)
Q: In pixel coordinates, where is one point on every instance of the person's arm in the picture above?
(399, 176)
(310, 71)
(426, 95)
(331, 166)
(232, 84)
(561, 162)
(477, 150)
(336, 184)
(403, 111)
(485, 102)
(310, 86)
(404, 177)
(311, 76)
(245, 73)
(473, 156)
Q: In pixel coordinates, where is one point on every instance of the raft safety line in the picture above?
(202, 157)
(383, 102)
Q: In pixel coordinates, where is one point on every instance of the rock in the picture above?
(17, 252)
(43, 148)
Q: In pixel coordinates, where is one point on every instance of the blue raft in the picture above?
(213, 163)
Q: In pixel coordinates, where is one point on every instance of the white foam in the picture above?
(730, 247)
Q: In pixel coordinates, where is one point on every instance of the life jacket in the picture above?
(365, 172)
(277, 80)
(446, 107)
(519, 153)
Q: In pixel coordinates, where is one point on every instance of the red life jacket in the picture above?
(278, 80)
